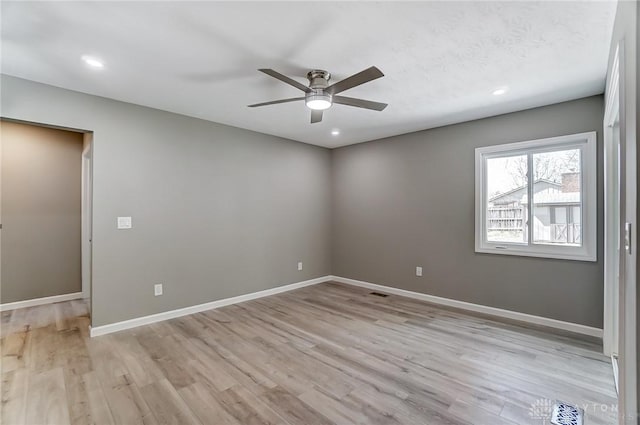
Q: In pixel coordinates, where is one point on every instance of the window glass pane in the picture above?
(577, 214)
(557, 198)
(506, 188)
(560, 216)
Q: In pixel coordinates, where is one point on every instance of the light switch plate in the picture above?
(124, 222)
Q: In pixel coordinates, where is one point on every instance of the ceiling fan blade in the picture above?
(316, 116)
(359, 103)
(275, 102)
(362, 77)
(286, 79)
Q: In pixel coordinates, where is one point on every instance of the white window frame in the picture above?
(586, 142)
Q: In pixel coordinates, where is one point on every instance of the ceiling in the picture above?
(442, 60)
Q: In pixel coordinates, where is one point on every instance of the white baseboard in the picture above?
(40, 301)
(146, 320)
(493, 311)
(616, 370)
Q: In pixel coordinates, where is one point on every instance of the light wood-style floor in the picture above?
(320, 355)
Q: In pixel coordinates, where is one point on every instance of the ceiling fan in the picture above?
(319, 96)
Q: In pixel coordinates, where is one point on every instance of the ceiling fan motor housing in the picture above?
(318, 79)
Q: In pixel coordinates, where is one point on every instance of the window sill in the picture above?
(523, 252)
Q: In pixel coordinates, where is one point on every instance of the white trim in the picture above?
(493, 311)
(166, 315)
(614, 364)
(86, 206)
(40, 301)
(628, 354)
(612, 99)
(613, 235)
(587, 143)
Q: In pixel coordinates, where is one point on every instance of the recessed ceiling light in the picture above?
(93, 62)
(335, 132)
(500, 91)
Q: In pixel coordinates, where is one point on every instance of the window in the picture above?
(538, 198)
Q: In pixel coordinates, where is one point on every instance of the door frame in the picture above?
(87, 214)
(613, 234)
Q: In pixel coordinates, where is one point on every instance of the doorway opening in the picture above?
(45, 213)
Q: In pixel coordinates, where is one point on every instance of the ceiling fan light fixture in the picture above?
(318, 101)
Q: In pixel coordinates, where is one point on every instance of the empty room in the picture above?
(298, 213)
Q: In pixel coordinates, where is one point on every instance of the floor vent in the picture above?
(378, 294)
(566, 414)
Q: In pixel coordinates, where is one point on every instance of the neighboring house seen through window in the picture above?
(538, 198)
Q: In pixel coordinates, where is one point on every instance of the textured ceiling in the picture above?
(442, 60)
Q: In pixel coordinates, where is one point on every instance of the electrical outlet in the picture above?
(124, 223)
(299, 265)
(157, 289)
(418, 271)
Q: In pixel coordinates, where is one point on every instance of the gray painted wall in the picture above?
(217, 211)
(40, 212)
(220, 211)
(408, 201)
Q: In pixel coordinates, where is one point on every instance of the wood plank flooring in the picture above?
(326, 354)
